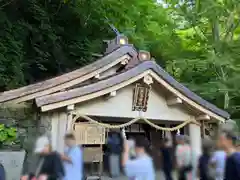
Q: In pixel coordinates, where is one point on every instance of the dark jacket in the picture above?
(203, 167)
(115, 144)
(232, 167)
(2, 173)
(52, 166)
(167, 157)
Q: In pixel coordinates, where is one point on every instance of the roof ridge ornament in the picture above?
(148, 79)
(112, 26)
(144, 55)
(119, 40)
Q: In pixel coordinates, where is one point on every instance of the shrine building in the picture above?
(124, 88)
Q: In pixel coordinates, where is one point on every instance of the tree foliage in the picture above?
(196, 41)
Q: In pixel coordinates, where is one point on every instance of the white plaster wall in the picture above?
(121, 106)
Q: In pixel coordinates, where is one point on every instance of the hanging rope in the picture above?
(134, 121)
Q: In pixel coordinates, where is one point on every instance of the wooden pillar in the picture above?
(195, 138)
(54, 131)
(59, 123)
(62, 124)
(70, 109)
(69, 122)
(203, 135)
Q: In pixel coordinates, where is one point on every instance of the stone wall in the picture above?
(45, 124)
(29, 125)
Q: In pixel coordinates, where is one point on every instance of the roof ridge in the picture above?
(111, 81)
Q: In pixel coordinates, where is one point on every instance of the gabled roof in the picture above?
(125, 76)
(59, 82)
(53, 91)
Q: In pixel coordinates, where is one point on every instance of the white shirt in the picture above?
(183, 155)
(141, 168)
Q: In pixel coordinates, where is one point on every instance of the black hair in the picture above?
(70, 136)
(142, 142)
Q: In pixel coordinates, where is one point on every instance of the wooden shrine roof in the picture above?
(124, 76)
(55, 90)
(67, 77)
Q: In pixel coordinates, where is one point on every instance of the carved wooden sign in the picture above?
(89, 133)
(210, 129)
(140, 97)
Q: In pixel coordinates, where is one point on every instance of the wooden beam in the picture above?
(97, 76)
(113, 93)
(110, 95)
(124, 62)
(203, 117)
(70, 107)
(174, 101)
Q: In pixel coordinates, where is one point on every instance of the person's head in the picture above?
(180, 139)
(43, 145)
(141, 145)
(69, 140)
(227, 139)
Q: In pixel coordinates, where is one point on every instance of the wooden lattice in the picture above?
(89, 133)
(92, 154)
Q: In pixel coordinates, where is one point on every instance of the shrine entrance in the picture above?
(93, 139)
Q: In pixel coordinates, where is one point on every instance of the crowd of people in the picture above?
(52, 165)
(219, 160)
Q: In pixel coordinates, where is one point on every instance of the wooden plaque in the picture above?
(140, 97)
(89, 133)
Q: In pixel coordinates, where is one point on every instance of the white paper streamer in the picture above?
(178, 132)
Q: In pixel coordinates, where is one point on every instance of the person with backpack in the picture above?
(227, 141)
(115, 147)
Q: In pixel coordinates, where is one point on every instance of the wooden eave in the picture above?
(123, 79)
(69, 79)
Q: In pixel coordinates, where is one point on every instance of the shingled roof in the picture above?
(59, 80)
(119, 78)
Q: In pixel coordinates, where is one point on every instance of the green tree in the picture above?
(209, 63)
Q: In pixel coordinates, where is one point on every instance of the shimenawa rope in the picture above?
(109, 126)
